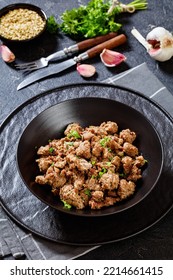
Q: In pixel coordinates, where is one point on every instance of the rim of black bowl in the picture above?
(99, 212)
(28, 6)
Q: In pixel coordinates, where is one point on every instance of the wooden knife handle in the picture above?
(95, 41)
(110, 44)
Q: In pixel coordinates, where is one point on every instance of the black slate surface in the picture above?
(155, 243)
(158, 14)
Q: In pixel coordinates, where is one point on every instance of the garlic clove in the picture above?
(161, 41)
(111, 58)
(7, 54)
(86, 70)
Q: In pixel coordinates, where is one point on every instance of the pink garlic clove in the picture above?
(86, 70)
(7, 54)
(111, 58)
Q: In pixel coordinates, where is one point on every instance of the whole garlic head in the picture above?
(161, 41)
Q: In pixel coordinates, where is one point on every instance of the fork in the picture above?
(44, 61)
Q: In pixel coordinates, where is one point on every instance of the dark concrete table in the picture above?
(156, 242)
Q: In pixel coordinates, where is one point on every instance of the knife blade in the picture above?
(109, 44)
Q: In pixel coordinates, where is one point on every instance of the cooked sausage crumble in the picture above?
(94, 167)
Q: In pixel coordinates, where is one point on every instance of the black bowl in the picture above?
(51, 123)
(28, 6)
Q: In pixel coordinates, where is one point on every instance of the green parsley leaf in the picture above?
(96, 18)
(66, 205)
(52, 25)
(93, 162)
(103, 171)
(51, 149)
(74, 133)
(104, 141)
(89, 21)
(87, 192)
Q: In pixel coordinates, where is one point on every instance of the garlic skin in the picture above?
(161, 41)
(7, 54)
(111, 58)
(86, 70)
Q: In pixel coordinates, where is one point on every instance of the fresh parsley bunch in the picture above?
(96, 18)
(89, 21)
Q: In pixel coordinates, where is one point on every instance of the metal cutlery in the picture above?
(109, 44)
(44, 61)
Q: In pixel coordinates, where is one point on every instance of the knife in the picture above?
(109, 44)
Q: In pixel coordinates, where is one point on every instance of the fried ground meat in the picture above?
(126, 189)
(84, 149)
(109, 181)
(127, 135)
(72, 197)
(93, 167)
(130, 149)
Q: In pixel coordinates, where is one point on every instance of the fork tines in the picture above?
(26, 66)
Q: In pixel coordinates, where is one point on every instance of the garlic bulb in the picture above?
(111, 58)
(161, 41)
(7, 54)
(86, 70)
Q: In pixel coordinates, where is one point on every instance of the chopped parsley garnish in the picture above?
(87, 192)
(103, 171)
(51, 149)
(104, 141)
(74, 133)
(93, 162)
(66, 205)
